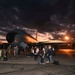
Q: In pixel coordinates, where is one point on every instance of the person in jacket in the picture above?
(50, 53)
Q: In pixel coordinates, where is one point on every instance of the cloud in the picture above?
(43, 15)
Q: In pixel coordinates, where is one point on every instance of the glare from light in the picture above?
(67, 38)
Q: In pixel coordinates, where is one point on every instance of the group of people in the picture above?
(43, 51)
(7, 52)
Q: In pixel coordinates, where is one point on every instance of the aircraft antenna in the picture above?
(36, 34)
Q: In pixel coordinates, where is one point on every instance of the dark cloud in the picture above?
(38, 14)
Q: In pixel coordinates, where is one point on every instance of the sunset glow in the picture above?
(69, 52)
(30, 40)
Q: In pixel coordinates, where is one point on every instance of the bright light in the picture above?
(67, 38)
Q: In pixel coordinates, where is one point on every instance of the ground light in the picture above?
(67, 38)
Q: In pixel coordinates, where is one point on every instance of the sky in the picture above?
(52, 18)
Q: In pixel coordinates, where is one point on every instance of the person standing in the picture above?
(42, 55)
(9, 49)
(15, 50)
(5, 58)
(50, 53)
(36, 51)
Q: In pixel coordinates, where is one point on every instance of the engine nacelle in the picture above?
(19, 37)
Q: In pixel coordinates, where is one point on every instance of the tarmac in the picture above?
(19, 59)
(26, 65)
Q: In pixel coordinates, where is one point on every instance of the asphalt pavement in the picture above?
(25, 65)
